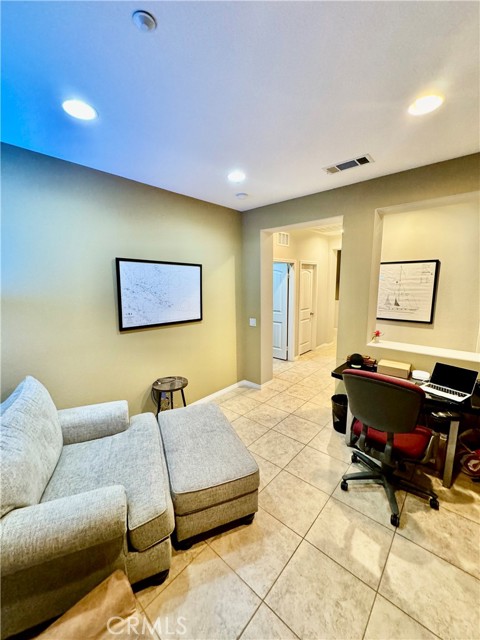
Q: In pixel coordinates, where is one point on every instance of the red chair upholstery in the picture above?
(386, 411)
(410, 445)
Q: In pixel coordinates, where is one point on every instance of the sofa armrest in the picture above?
(43, 532)
(93, 421)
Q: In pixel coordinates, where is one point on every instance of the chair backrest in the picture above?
(381, 402)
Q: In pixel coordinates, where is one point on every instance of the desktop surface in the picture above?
(470, 405)
(436, 404)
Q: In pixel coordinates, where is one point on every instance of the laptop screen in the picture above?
(456, 378)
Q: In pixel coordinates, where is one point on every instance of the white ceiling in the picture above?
(278, 89)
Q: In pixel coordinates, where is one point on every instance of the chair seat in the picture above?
(408, 445)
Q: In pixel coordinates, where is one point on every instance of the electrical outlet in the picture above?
(253, 322)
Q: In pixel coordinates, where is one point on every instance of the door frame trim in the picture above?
(291, 348)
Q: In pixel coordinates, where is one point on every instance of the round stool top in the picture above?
(170, 383)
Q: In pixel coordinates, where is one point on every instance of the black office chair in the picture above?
(386, 412)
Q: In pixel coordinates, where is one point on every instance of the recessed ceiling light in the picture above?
(144, 21)
(79, 109)
(236, 176)
(425, 104)
(241, 196)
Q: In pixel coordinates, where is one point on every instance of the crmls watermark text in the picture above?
(135, 626)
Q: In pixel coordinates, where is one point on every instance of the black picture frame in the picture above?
(407, 290)
(154, 293)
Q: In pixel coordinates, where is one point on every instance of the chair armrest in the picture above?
(93, 421)
(43, 532)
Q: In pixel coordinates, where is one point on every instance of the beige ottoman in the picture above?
(213, 477)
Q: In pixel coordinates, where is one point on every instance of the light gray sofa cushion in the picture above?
(30, 444)
(207, 462)
(93, 421)
(132, 459)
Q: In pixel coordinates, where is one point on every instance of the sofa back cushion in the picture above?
(30, 444)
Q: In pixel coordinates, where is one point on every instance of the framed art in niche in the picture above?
(407, 290)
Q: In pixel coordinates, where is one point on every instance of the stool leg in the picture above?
(159, 403)
(183, 398)
(171, 399)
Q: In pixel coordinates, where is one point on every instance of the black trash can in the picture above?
(339, 412)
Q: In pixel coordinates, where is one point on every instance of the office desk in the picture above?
(432, 404)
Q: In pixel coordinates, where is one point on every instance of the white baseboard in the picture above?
(325, 344)
(250, 385)
(241, 383)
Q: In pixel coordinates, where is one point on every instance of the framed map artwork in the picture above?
(152, 293)
(407, 290)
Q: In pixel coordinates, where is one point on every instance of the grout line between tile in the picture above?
(405, 613)
(439, 557)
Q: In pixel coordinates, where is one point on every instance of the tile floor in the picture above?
(318, 562)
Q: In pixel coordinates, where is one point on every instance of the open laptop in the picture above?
(452, 383)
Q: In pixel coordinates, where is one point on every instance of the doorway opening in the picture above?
(310, 304)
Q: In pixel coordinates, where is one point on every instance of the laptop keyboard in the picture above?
(449, 393)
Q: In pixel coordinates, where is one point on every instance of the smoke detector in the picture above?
(349, 164)
(144, 21)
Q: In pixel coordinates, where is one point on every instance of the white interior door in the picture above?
(306, 308)
(280, 309)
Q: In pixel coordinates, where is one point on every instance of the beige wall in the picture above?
(357, 204)
(450, 233)
(63, 225)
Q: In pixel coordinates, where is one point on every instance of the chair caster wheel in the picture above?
(354, 457)
(395, 519)
(344, 485)
(434, 504)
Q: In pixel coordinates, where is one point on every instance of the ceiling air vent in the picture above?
(283, 239)
(349, 164)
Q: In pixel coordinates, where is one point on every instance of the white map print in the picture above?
(405, 291)
(162, 293)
